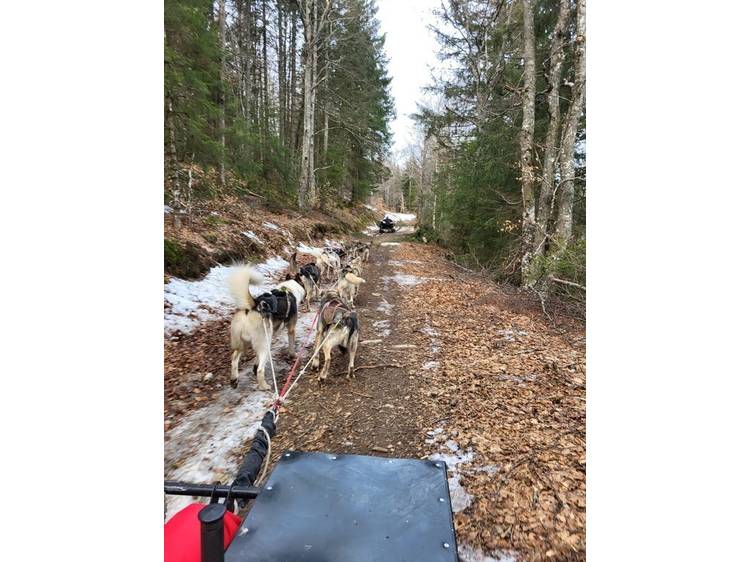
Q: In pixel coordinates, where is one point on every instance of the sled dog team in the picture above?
(259, 318)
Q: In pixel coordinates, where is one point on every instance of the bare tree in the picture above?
(566, 189)
(557, 55)
(528, 224)
(222, 115)
(313, 21)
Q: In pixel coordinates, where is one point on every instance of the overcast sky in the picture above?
(411, 49)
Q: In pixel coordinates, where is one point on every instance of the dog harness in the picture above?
(279, 304)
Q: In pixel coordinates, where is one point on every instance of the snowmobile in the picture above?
(317, 507)
(386, 225)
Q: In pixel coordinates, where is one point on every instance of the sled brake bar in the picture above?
(208, 490)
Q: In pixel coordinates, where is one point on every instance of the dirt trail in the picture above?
(373, 413)
(479, 381)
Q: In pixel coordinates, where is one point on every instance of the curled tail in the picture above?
(353, 279)
(239, 282)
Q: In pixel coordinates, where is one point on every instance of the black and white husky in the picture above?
(259, 318)
(338, 326)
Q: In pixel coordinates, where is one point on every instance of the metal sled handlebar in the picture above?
(174, 488)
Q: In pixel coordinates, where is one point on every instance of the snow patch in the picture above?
(206, 445)
(190, 303)
(401, 217)
(254, 237)
(429, 365)
(468, 553)
(460, 498)
(168, 209)
(370, 207)
(401, 263)
(390, 243)
(405, 280)
(382, 327)
(385, 307)
(276, 227)
(453, 456)
(511, 335)
(305, 249)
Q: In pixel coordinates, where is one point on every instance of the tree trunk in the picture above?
(307, 176)
(528, 225)
(265, 129)
(544, 207)
(566, 190)
(174, 164)
(281, 62)
(292, 113)
(222, 73)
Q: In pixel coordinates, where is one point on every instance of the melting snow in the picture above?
(401, 217)
(370, 207)
(390, 243)
(405, 280)
(382, 327)
(384, 306)
(254, 237)
(167, 209)
(453, 457)
(431, 365)
(402, 262)
(272, 226)
(467, 553)
(191, 303)
(203, 447)
(511, 335)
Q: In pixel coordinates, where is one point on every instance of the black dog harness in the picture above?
(279, 304)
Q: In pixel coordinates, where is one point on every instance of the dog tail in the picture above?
(353, 279)
(352, 325)
(240, 280)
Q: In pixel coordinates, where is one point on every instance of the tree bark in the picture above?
(222, 73)
(528, 225)
(566, 190)
(174, 164)
(557, 55)
(265, 129)
(307, 175)
(292, 102)
(281, 67)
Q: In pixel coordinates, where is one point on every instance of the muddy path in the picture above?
(373, 413)
(451, 368)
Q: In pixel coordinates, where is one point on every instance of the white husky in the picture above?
(328, 262)
(251, 328)
(347, 287)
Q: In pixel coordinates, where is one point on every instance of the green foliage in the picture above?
(478, 196)
(358, 101)
(172, 253)
(196, 98)
(478, 125)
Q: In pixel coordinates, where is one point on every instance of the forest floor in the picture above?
(452, 367)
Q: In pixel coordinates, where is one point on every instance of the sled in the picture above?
(334, 508)
(384, 226)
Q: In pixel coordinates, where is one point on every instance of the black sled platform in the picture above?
(318, 507)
